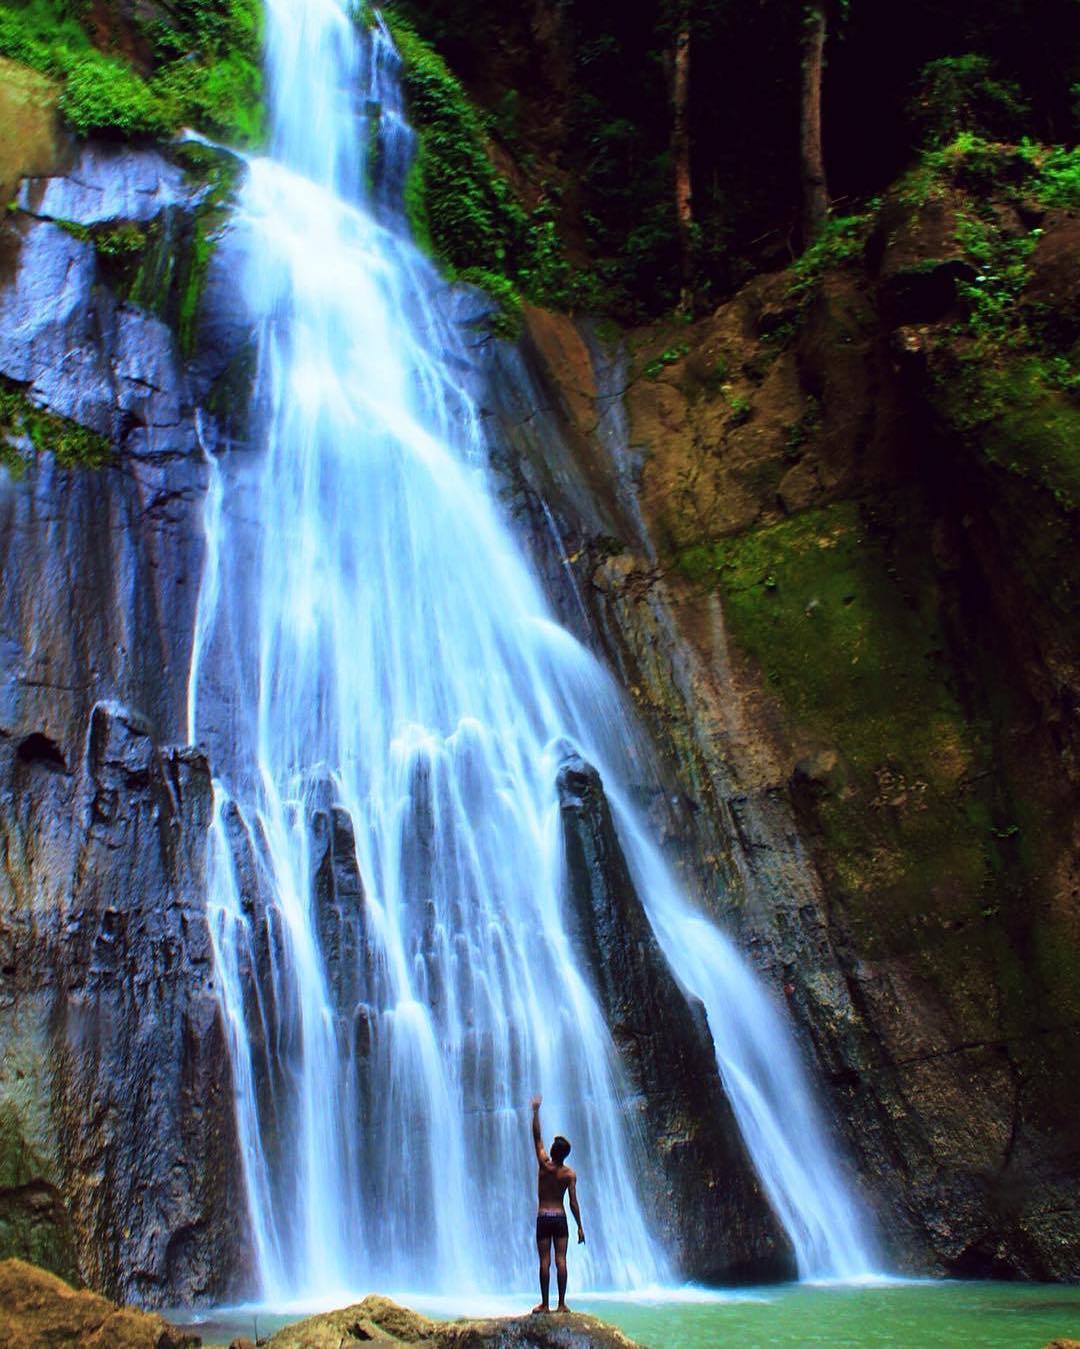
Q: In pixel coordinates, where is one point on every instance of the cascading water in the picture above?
(384, 693)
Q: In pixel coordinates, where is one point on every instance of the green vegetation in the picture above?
(101, 94)
(461, 209)
(506, 321)
(27, 429)
(670, 356)
(958, 94)
(187, 264)
(841, 614)
(111, 240)
(205, 70)
(1010, 382)
(842, 240)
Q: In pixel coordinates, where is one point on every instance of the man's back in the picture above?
(552, 1183)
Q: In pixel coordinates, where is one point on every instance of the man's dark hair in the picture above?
(560, 1149)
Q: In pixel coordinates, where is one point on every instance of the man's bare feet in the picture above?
(562, 1307)
(543, 1307)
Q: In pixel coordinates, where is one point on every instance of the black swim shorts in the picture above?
(551, 1225)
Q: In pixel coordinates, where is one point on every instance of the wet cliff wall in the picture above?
(126, 367)
(118, 1156)
(827, 536)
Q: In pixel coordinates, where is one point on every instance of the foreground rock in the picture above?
(40, 1311)
(380, 1320)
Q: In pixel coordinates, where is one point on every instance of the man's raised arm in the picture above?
(538, 1143)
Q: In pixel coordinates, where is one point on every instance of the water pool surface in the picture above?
(899, 1315)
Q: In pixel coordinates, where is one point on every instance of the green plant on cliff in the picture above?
(219, 172)
(101, 94)
(669, 356)
(26, 428)
(460, 207)
(206, 69)
(220, 91)
(842, 240)
(1007, 380)
(1001, 272)
(1054, 173)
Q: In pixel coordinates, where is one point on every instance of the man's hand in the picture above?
(535, 1102)
(581, 1236)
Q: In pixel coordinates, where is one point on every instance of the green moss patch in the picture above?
(34, 1224)
(1018, 419)
(26, 429)
(843, 623)
(1003, 377)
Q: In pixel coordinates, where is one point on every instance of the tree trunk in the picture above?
(815, 188)
(680, 154)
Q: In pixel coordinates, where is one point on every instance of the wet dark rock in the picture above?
(118, 1154)
(108, 1000)
(706, 1198)
(340, 903)
(110, 182)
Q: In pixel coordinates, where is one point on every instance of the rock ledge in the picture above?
(382, 1321)
(40, 1311)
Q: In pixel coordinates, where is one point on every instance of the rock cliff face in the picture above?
(844, 610)
(842, 626)
(118, 1157)
(707, 1204)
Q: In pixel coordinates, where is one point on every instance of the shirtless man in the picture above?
(555, 1180)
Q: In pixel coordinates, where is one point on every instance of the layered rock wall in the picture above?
(118, 1155)
(840, 617)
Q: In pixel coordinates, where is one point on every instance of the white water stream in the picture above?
(375, 669)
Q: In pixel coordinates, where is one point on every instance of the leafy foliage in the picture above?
(207, 73)
(101, 94)
(1054, 174)
(1009, 380)
(955, 94)
(670, 356)
(460, 207)
(842, 239)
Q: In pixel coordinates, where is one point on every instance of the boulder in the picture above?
(379, 1320)
(39, 1311)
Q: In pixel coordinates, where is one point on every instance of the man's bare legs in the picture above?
(560, 1272)
(543, 1250)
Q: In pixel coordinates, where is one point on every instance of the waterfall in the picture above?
(384, 693)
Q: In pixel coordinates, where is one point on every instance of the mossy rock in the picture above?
(34, 1222)
(26, 430)
(31, 141)
(840, 609)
